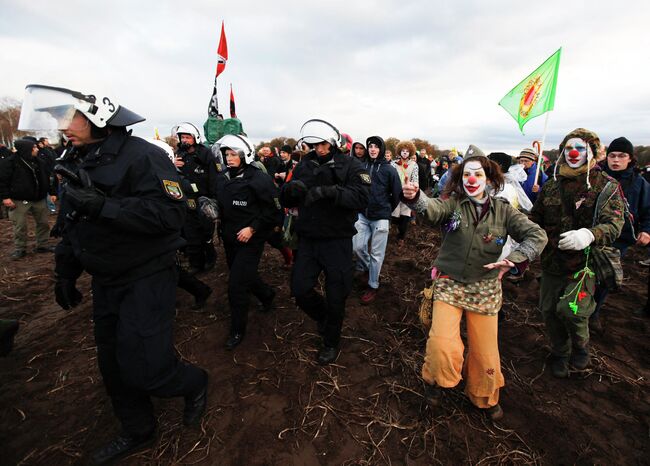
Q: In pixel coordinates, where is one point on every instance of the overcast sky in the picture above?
(429, 69)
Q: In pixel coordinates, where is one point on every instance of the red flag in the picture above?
(222, 52)
(233, 114)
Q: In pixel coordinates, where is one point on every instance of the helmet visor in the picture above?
(48, 109)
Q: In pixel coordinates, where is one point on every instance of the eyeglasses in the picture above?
(620, 155)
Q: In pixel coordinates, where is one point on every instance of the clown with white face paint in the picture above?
(577, 152)
(467, 278)
(474, 180)
(407, 170)
(581, 209)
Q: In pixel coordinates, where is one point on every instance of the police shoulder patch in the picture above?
(365, 178)
(173, 189)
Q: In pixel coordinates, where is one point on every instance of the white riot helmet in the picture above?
(240, 144)
(47, 108)
(315, 131)
(187, 128)
(164, 146)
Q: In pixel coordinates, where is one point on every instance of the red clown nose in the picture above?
(573, 153)
(472, 180)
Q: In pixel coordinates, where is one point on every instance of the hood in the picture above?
(365, 151)
(24, 148)
(589, 137)
(382, 147)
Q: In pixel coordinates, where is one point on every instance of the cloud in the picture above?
(429, 69)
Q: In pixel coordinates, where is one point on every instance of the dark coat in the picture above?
(137, 231)
(637, 194)
(386, 186)
(249, 199)
(24, 177)
(199, 172)
(329, 218)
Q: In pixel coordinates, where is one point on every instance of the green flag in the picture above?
(535, 95)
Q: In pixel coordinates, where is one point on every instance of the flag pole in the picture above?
(540, 156)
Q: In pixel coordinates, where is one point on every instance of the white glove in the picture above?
(575, 240)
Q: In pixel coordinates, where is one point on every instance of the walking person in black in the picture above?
(123, 211)
(249, 210)
(329, 189)
(198, 166)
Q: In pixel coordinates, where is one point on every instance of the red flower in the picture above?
(582, 295)
(490, 371)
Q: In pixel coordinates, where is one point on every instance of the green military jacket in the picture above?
(473, 244)
(568, 204)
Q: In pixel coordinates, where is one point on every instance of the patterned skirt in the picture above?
(483, 297)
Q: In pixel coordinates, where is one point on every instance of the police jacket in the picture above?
(247, 199)
(24, 178)
(137, 231)
(637, 194)
(329, 218)
(385, 189)
(199, 172)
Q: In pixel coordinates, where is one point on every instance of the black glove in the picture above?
(85, 201)
(66, 293)
(295, 190)
(57, 230)
(208, 207)
(320, 192)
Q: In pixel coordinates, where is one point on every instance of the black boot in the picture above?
(580, 357)
(433, 395)
(267, 304)
(559, 367)
(8, 329)
(201, 298)
(195, 405)
(233, 340)
(327, 355)
(120, 447)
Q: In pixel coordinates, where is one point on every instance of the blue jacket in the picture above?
(386, 186)
(529, 183)
(637, 194)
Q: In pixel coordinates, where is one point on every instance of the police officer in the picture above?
(249, 207)
(125, 208)
(329, 190)
(197, 164)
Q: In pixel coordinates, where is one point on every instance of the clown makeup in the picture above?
(404, 153)
(577, 152)
(474, 179)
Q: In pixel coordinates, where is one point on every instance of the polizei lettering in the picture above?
(239, 203)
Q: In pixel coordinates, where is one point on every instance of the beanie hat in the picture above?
(502, 159)
(286, 148)
(529, 154)
(621, 145)
(473, 151)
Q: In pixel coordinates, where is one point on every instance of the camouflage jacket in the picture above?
(567, 204)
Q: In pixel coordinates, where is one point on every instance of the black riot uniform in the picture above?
(337, 188)
(247, 197)
(128, 244)
(200, 173)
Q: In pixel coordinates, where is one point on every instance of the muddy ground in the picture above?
(270, 404)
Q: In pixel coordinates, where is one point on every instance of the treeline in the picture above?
(10, 114)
